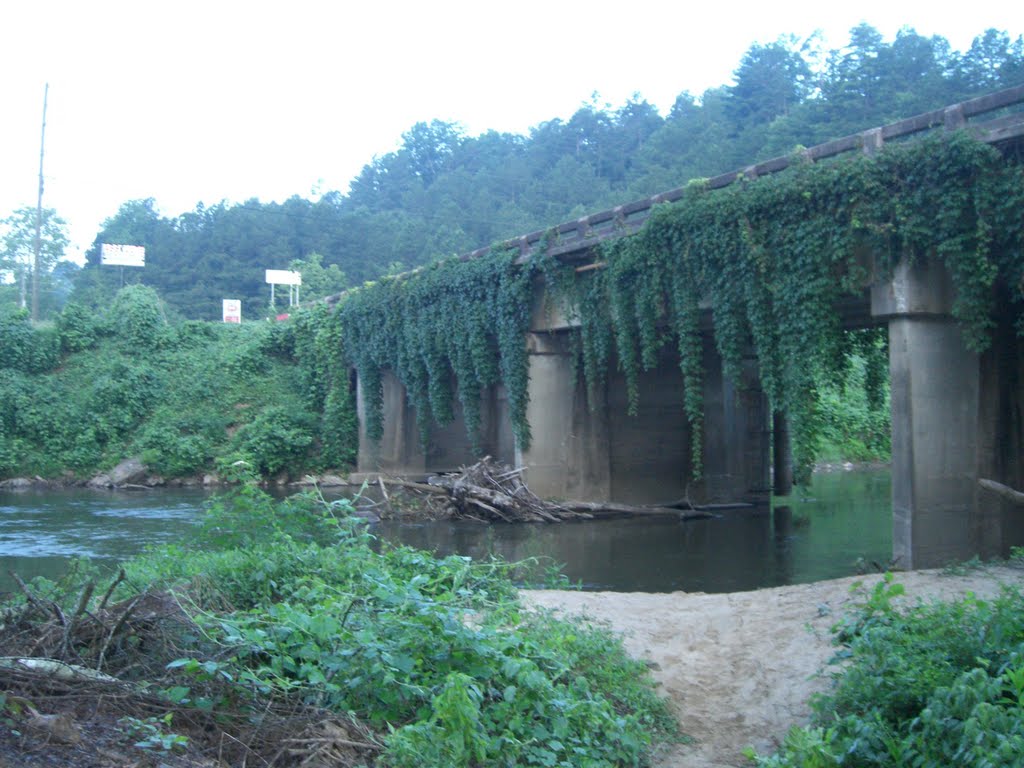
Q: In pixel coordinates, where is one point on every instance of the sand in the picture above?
(739, 669)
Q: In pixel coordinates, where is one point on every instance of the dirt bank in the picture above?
(740, 668)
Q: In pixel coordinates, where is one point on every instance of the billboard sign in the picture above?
(232, 310)
(122, 255)
(283, 277)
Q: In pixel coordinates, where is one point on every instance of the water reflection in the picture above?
(842, 519)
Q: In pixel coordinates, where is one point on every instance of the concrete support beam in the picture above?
(934, 393)
(935, 390)
(736, 433)
(782, 455)
(598, 451)
(400, 451)
(568, 455)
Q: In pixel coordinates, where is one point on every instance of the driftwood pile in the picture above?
(74, 670)
(489, 492)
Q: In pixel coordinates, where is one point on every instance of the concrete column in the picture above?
(934, 383)
(568, 453)
(782, 455)
(398, 451)
(736, 434)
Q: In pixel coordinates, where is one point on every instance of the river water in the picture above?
(842, 523)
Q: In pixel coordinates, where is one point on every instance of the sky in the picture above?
(188, 102)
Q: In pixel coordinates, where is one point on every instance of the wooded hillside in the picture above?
(444, 192)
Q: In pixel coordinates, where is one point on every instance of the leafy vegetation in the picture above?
(932, 684)
(454, 325)
(295, 602)
(96, 388)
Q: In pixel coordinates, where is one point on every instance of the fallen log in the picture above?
(419, 487)
(613, 509)
(1002, 490)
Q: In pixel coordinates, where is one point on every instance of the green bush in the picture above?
(938, 684)
(24, 348)
(136, 316)
(76, 325)
(278, 437)
(435, 653)
(168, 451)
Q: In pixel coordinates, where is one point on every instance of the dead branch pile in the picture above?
(485, 492)
(73, 669)
(492, 492)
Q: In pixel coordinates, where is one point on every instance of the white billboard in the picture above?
(232, 310)
(122, 255)
(283, 277)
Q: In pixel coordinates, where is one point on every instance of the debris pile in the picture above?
(490, 492)
(87, 682)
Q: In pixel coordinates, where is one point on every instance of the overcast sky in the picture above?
(202, 101)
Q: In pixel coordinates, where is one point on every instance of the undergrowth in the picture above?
(933, 684)
(295, 599)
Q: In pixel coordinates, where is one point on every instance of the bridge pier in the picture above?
(569, 456)
(400, 451)
(599, 452)
(946, 419)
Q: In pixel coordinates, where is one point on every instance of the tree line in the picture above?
(444, 192)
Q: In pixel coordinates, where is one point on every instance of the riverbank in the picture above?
(740, 668)
(132, 474)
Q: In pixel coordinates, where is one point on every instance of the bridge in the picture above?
(957, 413)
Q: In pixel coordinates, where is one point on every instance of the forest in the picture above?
(444, 192)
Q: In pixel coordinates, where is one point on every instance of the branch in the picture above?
(1002, 490)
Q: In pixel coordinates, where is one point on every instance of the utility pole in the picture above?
(39, 216)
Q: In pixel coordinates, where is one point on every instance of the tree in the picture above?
(429, 148)
(18, 245)
(770, 81)
(318, 280)
(994, 61)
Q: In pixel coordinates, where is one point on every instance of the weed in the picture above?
(295, 599)
(927, 685)
(152, 733)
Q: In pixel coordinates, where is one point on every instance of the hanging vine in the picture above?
(770, 256)
(455, 327)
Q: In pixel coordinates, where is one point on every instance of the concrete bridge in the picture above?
(957, 416)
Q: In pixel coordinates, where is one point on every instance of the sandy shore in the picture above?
(740, 668)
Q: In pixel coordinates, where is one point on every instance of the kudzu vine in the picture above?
(771, 256)
(455, 326)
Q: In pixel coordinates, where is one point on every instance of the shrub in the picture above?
(939, 684)
(435, 651)
(24, 348)
(278, 437)
(136, 316)
(170, 451)
(76, 325)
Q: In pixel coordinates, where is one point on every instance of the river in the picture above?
(839, 525)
